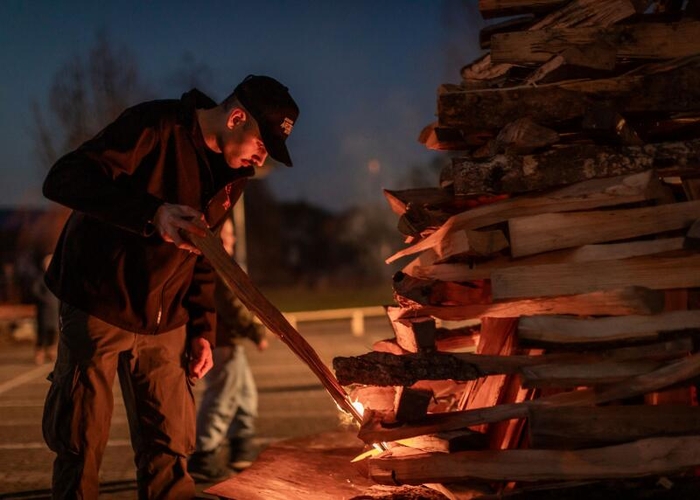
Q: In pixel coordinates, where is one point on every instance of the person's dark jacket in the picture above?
(234, 322)
(109, 262)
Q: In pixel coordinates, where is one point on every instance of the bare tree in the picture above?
(87, 92)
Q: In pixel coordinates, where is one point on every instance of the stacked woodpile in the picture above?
(546, 330)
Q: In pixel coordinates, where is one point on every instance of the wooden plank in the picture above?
(632, 41)
(633, 300)
(657, 273)
(673, 90)
(400, 199)
(552, 231)
(411, 404)
(478, 269)
(570, 428)
(415, 334)
(373, 431)
(574, 374)
(594, 193)
(574, 330)
(652, 456)
(512, 173)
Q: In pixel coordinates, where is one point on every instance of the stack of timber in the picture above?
(546, 329)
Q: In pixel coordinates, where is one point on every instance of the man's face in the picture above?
(242, 145)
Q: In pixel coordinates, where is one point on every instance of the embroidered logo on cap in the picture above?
(287, 126)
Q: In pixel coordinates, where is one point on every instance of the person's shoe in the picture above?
(242, 453)
(203, 466)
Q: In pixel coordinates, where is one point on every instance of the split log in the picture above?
(632, 300)
(573, 330)
(415, 334)
(633, 41)
(377, 398)
(411, 404)
(524, 136)
(447, 442)
(692, 237)
(673, 90)
(478, 269)
(373, 431)
(512, 173)
(544, 232)
(657, 273)
(473, 243)
(409, 291)
(433, 197)
(652, 456)
(512, 24)
(570, 428)
(585, 195)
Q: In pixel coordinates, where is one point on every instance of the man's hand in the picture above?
(201, 359)
(170, 219)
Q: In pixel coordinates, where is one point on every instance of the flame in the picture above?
(359, 407)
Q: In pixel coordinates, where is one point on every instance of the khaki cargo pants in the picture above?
(157, 395)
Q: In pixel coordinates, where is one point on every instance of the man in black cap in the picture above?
(136, 296)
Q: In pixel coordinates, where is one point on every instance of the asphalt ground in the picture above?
(293, 404)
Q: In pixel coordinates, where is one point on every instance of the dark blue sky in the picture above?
(364, 74)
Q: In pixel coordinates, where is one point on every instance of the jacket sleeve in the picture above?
(95, 178)
(199, 302)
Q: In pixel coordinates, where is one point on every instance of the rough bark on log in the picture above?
(657, 273)
(512, 173)
(674, 90)
(646, 457)
(585, 195)
(572, 330)
(545, 232)
(633, 41)
(373, 431)
(570, 428)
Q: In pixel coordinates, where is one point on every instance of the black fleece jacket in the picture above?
(108, 261)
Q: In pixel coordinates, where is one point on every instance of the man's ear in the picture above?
(236, 116)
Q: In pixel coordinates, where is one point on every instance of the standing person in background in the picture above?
(137, 299)
(226, 417)
(46, 317)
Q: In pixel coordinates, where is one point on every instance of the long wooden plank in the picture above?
(574, 330)
(633, 300)
(241, 284)
(478, 270)
(594, 193)
(646, 457)
(658, 273)
(569, 428)
(633, 41)
(572, 375)
(552, 231)
(374, 431)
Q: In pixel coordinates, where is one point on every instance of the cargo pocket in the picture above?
(59, 417)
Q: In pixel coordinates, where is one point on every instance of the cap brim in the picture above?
(276, 148)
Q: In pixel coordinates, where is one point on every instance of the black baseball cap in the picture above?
(273, 108)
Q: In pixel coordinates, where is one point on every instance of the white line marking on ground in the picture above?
(37, 372)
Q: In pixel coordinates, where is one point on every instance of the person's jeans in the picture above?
(230, 403)
(157, 395)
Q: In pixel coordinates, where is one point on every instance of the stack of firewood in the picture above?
(564, 237)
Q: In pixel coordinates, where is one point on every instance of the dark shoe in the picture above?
(242, 453)
(204, 466)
